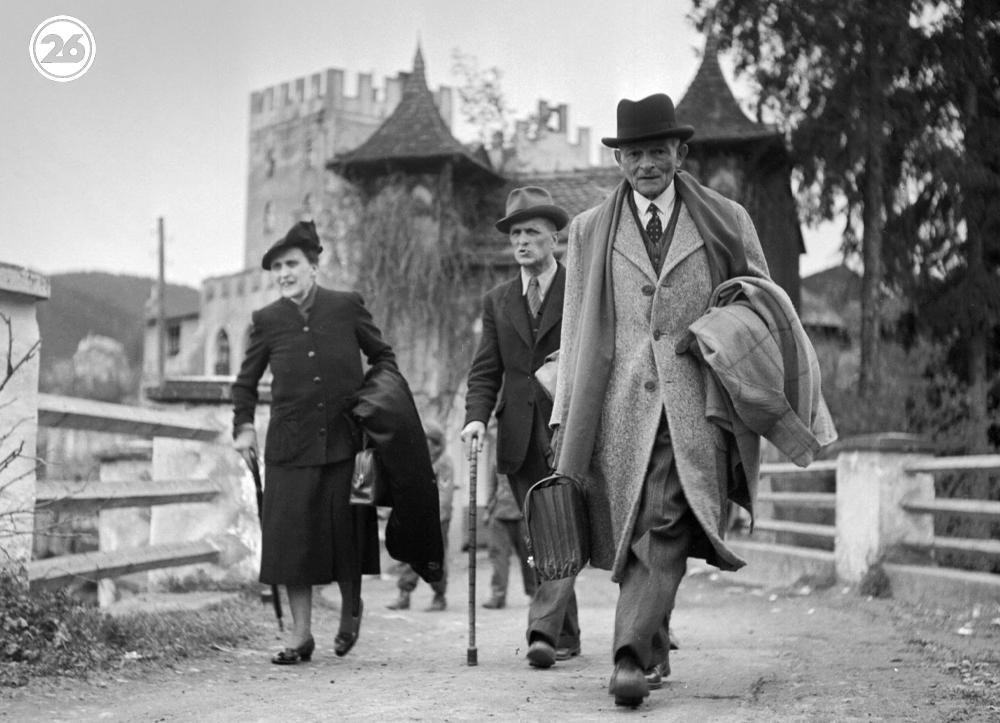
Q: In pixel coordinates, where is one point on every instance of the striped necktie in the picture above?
(534, 296)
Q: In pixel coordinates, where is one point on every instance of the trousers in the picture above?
(408, 578)
(506, 538)
(552, 614)
(665, 530)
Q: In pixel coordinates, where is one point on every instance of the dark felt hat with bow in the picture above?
(302, 236)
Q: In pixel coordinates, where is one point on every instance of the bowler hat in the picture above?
(647, 119)
(531, 202)
(302, 236)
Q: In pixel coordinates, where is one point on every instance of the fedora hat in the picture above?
(531, 202)
(301, 236)
(646, 119)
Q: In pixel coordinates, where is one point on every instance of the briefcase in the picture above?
(555, 513)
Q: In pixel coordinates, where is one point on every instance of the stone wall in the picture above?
(20, 290)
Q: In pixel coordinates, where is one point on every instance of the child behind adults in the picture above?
(507, 534)
(444, 473)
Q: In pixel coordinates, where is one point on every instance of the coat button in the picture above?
(657, 334)
(316, 379)
(311, 353)
(305, 328)
(320, 405)
(322, 431)
(648, 290)
(650, 386)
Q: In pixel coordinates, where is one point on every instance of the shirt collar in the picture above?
(665, 201)
(306, 305)
(544, 279)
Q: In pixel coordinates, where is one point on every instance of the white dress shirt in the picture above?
(664, 202)
(544, 280)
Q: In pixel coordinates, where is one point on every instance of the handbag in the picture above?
(368, 484)
(555, 513)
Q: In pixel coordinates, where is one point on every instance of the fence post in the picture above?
(871, 484)
(20, 291)
(122, 529)
(230, 521)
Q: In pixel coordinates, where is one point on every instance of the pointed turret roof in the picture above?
(710, 106)
(413, 136)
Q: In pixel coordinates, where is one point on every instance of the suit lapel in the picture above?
(628, 242)
(552, 312)
(517, 311)
(686, 241)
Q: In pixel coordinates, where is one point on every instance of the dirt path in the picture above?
(747, 655)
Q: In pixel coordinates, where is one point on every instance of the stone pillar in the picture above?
(871, 485)
(127, 527)
(20, 290)
(230, 521)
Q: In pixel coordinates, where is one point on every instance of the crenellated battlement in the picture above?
(541, 142)
(328, 90)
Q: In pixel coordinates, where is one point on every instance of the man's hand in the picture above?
(246, 443)
(473, 430)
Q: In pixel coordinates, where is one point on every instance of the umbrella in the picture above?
(259, 488)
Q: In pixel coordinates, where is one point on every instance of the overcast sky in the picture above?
(159, 124)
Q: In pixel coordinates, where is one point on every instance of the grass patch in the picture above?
(52, 633)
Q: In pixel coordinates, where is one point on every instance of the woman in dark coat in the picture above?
(312, 339)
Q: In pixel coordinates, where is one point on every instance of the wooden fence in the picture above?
(103, 496)
(883, 508)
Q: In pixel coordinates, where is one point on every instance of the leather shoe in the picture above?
(293, 656)
(495, 603)
(437, 604)
(345, 640)
(656, 674)
(400, 603)
(567, 652)
(628, 683)
(541, 654)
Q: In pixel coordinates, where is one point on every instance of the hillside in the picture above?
(95, 302)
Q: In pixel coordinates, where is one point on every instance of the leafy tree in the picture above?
(827, 73)
(481, 99)
(950, 232)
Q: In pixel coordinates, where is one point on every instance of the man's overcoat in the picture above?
(649, 377)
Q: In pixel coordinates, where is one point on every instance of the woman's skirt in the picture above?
(312, 534)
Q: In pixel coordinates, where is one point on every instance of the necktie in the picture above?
(534, 296)
(654, 229)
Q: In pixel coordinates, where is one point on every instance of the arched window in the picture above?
(222, 353)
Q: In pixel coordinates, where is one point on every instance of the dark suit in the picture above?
(512, 347)
(311, 441)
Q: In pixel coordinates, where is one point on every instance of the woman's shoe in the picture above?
(293, 656)
(344, 641)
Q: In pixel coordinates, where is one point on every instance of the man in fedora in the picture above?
(629, 411)
(521, 326)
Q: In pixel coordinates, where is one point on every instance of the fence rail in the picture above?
(56, 572)
(96, 496)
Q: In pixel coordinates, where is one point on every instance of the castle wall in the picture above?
(295, 128)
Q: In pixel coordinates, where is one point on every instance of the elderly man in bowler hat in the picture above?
(629, 411)
(521, 326)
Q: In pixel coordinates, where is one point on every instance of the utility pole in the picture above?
(161, 311)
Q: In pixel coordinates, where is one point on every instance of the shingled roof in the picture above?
(414, 136)
(709, 105)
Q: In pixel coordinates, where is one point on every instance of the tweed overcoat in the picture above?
(503, 369)
(648, 377)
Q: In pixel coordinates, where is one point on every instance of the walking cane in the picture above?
(259, 488)
(471, 653)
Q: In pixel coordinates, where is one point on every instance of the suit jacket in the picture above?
(648, 378)
(316, 368)
(504, 365)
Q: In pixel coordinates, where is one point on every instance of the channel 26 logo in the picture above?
(62, 48)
